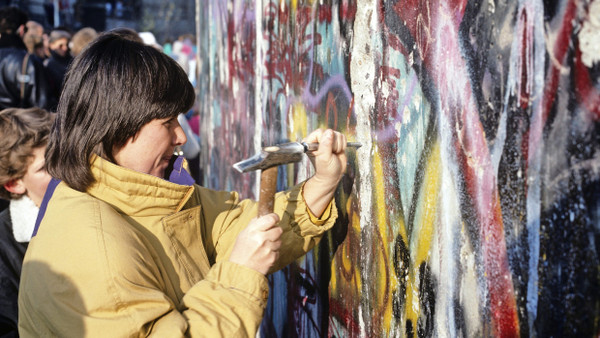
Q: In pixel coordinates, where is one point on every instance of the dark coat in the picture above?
(56, 68)
(12, 53)
(11, 261)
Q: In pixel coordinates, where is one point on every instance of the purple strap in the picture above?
(179, 175)
(49, 191)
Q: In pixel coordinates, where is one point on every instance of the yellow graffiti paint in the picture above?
(389, 225)
(297, 129)
(378, 175)
(383, 301)
(429, 195)
(294, 4)
(422, 233)
(346, 282)
(348, 258)
(298, 126)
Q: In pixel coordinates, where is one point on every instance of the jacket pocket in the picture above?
(184, 232)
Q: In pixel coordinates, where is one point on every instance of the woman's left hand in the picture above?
(330, 164)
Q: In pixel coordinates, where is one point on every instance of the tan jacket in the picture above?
(140, 256)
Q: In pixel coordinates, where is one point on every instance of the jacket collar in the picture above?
(64, 60)
(135, 193)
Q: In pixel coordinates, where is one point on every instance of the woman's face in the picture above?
(36, 178)
(150, 150)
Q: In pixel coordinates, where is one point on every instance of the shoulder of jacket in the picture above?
(80, 203)
(203, 191)
(12, 54)
(79, 216)
(208, 197)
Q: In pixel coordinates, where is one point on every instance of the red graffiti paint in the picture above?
(587, 94)
(347, 10)
(525, 90)
(558, 54)
(345, 315)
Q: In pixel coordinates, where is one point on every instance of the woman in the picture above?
(128, 245)
(23, 181)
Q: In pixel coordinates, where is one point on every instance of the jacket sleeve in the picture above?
(226, 219)
(229, 302)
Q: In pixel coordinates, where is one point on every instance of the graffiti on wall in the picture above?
(473, 207)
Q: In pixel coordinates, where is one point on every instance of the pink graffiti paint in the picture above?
(587, 94)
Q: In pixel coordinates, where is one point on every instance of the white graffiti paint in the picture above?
(589, 36)
(261, 48)
(362, 64)
(534, 161)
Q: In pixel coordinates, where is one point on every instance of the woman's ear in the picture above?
(15, 187)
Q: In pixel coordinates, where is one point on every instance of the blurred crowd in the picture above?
(33, 62)
(38, 58)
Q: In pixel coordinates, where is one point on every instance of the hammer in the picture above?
(268, 160)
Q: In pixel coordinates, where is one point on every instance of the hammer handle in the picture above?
(268, 184)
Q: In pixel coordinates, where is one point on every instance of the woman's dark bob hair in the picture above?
(111, 90)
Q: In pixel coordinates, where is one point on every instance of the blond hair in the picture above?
(81, 39)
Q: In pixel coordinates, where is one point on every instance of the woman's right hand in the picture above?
(257, 246)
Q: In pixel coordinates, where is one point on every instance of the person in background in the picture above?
(36, 40)
(81, 39)
(149, 39)
(34, 27)
(23, 181)
(35, 45)
(127, 244)
(58, 62)
(23, 82)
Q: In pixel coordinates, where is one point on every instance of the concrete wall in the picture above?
(473, 207)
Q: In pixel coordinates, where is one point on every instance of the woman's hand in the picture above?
(257, 246)
(330, 164)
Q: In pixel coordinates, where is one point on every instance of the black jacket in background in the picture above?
(11, 261)
(12, 52)
(56, 68)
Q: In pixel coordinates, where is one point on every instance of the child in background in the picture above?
(23, 181)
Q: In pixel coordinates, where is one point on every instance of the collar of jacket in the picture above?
(137, 194)
(23, 213)
(63, 60)
(11, 41)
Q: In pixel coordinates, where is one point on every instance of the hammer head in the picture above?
(272, 156)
